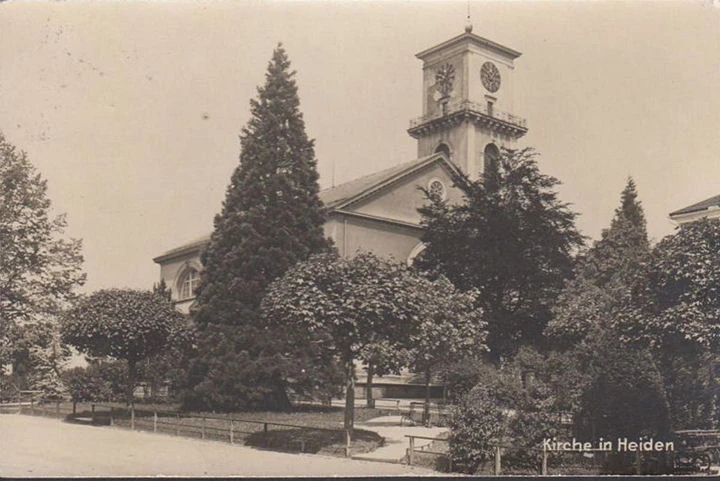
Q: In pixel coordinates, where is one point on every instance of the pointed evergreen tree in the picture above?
(621, 379)
(616, 256)
(272, 218)
(603, 274)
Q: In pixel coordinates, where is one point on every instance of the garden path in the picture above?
(394, 433)
(38, 447)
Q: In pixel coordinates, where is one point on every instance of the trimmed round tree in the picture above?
(124, 324)
(350, 309)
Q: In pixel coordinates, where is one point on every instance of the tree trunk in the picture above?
(132, 368)
(426, 408)
(368, 386)
(349, 404)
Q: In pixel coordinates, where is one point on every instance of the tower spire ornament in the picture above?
(468, 23)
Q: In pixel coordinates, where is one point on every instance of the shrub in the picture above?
(476, 422)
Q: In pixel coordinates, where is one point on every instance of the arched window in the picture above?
(189, 284)
(492, 155)
(415, 252)
(444, 149)
(491, 174)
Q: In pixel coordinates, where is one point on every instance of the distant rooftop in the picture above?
(700, 206)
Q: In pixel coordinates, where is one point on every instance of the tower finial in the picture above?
(468, 24)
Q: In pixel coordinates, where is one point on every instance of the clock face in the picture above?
(490, 76)
(444, 79)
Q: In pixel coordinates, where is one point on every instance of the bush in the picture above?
(100, 381)
(460, 377)
(516, 405)
(476, 422)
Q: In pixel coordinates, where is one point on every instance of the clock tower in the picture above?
(467, 102)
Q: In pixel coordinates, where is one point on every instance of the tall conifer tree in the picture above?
(603, 274)
(272, 218)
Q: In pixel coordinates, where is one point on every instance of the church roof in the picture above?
(700, 206)
(334, 197)
(189, 247)
(344, 194)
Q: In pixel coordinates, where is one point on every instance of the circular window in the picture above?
(436, 188)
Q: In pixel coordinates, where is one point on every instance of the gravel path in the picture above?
(33, 446)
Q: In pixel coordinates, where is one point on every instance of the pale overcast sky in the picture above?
(132, 110)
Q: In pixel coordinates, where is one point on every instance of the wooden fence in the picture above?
(206, 426)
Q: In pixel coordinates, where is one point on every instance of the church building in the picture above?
(468, 115)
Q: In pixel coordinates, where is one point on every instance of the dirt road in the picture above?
(33, 446)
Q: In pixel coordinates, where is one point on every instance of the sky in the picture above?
(132, 110)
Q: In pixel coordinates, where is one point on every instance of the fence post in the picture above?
(638, 464)
(154, 421)
(544, 461)
(498, 461)
(132, 415)
(348, 443)
(232, 440)
(92, 413)
(202, 428)
(57, 408)
(111, 416)
(177, 424)
(411, 454)
(32, 407)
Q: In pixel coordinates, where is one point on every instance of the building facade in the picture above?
(467, 117)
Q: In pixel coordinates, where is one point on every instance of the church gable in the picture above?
(400, 198)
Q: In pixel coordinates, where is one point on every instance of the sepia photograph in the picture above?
(314, 238)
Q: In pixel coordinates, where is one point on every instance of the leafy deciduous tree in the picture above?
(346, 307)
(39, 269)
(512, 240)
(448, 328)
(674, 309)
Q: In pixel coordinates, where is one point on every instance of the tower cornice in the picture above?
(470, 39)
(509, 124)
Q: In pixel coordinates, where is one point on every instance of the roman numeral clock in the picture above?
(490, 76)
(444, 80)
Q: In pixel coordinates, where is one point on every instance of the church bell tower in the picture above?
(467, 102)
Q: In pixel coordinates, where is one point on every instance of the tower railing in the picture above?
(471, 107)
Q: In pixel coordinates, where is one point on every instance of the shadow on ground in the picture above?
(315, 441)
